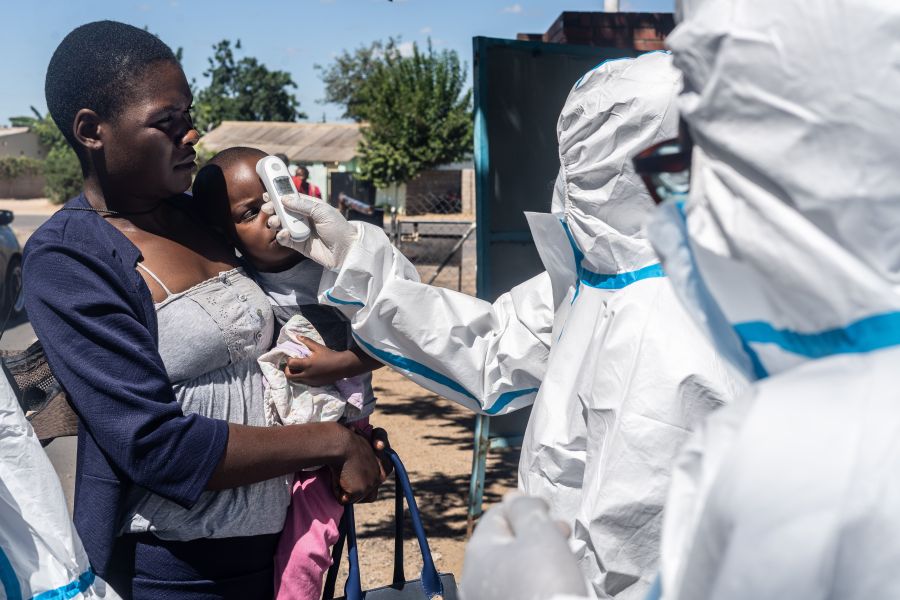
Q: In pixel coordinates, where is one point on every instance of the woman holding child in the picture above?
(153, 327)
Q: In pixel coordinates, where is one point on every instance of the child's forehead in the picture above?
(241, 176)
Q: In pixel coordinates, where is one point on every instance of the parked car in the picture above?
(12, 301)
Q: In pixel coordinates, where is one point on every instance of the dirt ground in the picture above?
(433, 437)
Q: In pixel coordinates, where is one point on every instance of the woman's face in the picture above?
(148, 147)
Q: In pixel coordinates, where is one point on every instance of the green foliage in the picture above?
(417, 113)
(204, 155)
(243, 90)
(62, 172)
(61, 168)
(12, 167)
(345, 78)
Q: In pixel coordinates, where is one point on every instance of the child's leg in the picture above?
(311, 529)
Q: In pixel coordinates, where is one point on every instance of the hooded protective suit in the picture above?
(616, 370)
(41, 555)
(788, 254)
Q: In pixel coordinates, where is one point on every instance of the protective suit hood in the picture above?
(613, 112)
(786, 252)
(794, 188)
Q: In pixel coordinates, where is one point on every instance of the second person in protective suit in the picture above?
(787, 251)
(617, 372)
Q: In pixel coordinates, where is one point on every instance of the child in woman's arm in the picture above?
(308, 379)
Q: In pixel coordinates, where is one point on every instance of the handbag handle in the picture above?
(431, 581)
(338, 550)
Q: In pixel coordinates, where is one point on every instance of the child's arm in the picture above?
(324, 366)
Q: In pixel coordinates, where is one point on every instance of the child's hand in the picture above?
(323, 366)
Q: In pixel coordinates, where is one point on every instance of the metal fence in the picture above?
(437, 238)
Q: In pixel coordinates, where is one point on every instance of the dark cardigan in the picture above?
(95, 318)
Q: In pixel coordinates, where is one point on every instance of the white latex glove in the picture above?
(518, 551)
(331, 235)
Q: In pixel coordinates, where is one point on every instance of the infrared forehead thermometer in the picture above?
(274, 175)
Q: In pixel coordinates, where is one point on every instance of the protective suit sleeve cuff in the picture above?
(370, 263)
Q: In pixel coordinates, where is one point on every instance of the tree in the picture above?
(61, 169)
(417, 113)
(416, 109)
(345, 77)
(243, 90)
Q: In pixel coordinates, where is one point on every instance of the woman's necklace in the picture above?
(114, 213)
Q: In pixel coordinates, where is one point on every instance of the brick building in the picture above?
(641, 31)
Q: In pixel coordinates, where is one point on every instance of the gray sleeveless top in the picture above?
(209, 339)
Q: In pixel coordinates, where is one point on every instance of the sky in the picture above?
(282, 34)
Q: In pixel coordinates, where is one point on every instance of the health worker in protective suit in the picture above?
(617, 372)
(787, 251)
(41, 555)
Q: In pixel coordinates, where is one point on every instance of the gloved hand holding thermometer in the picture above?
(279, 186)
(330, 235)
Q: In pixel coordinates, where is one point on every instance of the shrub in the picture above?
(63, 174)
(12, 167)
(61, 169)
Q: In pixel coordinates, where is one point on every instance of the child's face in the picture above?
(148, 145)
(256, 241)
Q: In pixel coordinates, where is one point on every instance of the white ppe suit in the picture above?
(788, 254)
(617, 372)
(41, 555)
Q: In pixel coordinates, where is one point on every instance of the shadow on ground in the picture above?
(434, 438)
(439, 493)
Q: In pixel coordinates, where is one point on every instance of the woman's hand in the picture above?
(323, 366)
(364, 468)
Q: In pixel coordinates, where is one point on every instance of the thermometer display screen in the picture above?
(283, 185)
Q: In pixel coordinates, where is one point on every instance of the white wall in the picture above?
(21, 144)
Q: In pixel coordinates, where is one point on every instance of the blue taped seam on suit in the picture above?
(655, 592)
(619, 281)
(759, 371)
(865, 335)
(507, 397)
(71, 589)
(407, 364)
(13, 590)
(610, 281)
(575, 295)
(339, 301)
(8, 578)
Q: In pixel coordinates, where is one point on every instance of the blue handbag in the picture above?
(431, 586)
